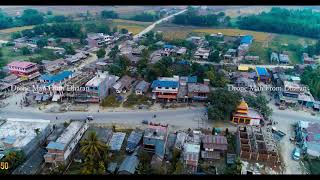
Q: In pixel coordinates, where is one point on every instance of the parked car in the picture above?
(296, 154)
(145, 122)
(282, 107)
(89, 118)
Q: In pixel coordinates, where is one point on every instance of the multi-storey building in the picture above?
(165, 88)
(24, 70)
(59, 151)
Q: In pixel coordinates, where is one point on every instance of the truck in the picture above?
(296, 154)
(277, 134)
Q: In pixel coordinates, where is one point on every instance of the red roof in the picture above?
(21, 64)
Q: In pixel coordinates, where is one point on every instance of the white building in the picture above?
(24, 134)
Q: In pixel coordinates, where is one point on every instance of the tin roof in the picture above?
(164, 83)
(129, 164)
(262, 71)
(116, 141)
(21, 64)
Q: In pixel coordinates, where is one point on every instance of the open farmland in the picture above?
(6, 33)
(258, 36)
(133, 26)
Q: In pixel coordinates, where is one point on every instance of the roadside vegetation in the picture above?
(14, 159)
(134, 99)
(311, 78)
(110, 101)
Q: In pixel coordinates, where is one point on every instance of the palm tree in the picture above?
(93, 147)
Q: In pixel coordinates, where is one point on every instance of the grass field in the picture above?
(258, 36)
(5, 34)
(133, 26)
(11, 30)
(9, 55)
(262, 40)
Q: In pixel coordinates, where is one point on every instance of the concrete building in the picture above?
(97, 88)
(307, 60)
(24, 70)
(284, 58)
(263, 74)
(98, 39)
(198, 91)
(155, 139)
(60, 151)
(165, 88)
(257, 145)
(191, 155)
(24, 134)
(307, 134)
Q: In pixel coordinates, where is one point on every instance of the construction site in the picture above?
(257, 145)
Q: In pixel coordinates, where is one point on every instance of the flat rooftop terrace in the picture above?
(20, 132)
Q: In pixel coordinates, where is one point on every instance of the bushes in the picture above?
(134, 99)
(110, 101)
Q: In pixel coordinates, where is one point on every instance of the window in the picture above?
(167, 87)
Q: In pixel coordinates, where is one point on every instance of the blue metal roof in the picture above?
(262, 71)
(56, 78)
(160, 83)
(112, 167)
(129, 164)
(247, 39)
(183, 62)
(192, 79)
(55, 145)
(167, 46)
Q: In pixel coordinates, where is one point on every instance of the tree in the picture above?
(310, 77)
(93, 147)
(69, 49)
(124, 31)
(222, 104)
(101, 168)
(144, 165)
(5, 20)
(101, 53)
(14, 159)
(179, 168)
(16, 35)
(25, 51)
(214, 57)
(42, 43)
(260, 103)
(115, 29)
(31, 17)
(114, 51)
(147, 17)
(49, 12)
(109, 14)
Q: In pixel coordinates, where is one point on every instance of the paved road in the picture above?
(286, 119)
(183, 118)
(149, 28)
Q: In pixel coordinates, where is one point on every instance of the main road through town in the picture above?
(180, 118)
